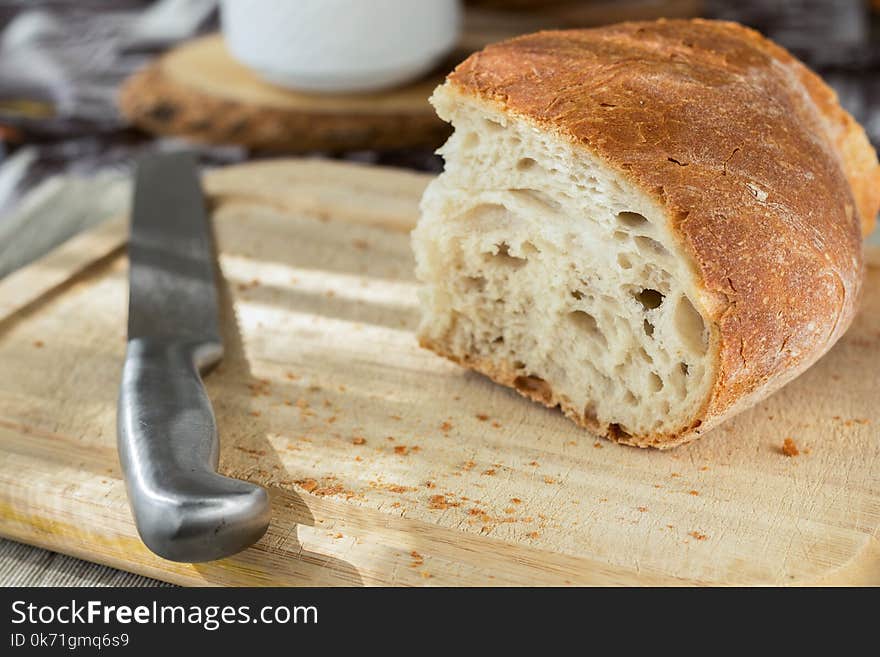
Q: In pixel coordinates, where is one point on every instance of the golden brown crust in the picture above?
(762, 175)
(847, 137)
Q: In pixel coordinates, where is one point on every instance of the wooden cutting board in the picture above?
(389, 465)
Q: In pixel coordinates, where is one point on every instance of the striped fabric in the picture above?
(23, 565)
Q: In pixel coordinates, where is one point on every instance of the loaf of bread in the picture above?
(650, 225)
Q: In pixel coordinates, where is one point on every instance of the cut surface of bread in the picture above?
(586, 248)
(556, 276)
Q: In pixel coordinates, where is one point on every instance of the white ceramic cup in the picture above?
(339, 46)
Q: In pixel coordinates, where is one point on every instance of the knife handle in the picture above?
(168, 447)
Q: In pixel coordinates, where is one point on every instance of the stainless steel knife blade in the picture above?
(167, 436)
(171, 254)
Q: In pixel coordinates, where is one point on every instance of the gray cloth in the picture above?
(23, 565)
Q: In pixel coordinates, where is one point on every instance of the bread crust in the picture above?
(765, 181)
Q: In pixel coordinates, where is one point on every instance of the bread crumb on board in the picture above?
(789, 448)
(308, 484)
(440, 502)
(417, 559)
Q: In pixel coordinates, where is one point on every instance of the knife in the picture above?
(167, 436)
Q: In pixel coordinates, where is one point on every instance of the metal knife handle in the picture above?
(168, 447)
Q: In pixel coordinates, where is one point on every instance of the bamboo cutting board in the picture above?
(389, 465)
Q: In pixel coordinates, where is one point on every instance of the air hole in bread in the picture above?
(616, 432)
(650, 246)
(492, 126)
(498, 340)
(631, 219)
(689, 326)
(537, 197)
(519, 365)
(486, 213)
(587, 323)
(648, 327)
(525, 163)
(678, 380)
(645, 356)
(471, 141)
(474, 283)
(503, 257)
(534, 386)
(649, 299)
(624, 261)
(630, 398)
(620, 236)
(655, 383)
(590, 412)
(683, 367)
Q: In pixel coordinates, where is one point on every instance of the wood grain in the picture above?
(199, 91)
(388, 465)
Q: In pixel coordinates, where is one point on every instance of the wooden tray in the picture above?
(389, 465)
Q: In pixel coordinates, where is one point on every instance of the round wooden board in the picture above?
(199, 91)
